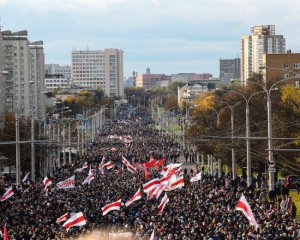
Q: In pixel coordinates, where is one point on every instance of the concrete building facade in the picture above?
(2, 76)
(55, 81)
(230, 69)
(65, 70)
(282, 66)
(261, 41)
(24, 63)
(100, 68)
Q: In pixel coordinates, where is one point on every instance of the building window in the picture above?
(296, 65)
(297, 84)
(285, 65)
(286, 75)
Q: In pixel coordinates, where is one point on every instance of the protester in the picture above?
(199, 210)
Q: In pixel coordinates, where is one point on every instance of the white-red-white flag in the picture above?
(9, 193)
(131, 168)
(136, 196)
(68, 183)
(151, 184)
(165, 170)
(62, 218)
(124, 160)
(75, 221)
(112, 206)
(89, 178)
(108, 165)
(85, 165)
(47, 182)
(245, 208)
(162, 204)
(158, 191)
(197, 177)
(178, 183)
(26, 177)
(179, 172)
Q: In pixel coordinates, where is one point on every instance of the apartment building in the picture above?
(65, 70)
(230, 69)
(152, 80)
(261, 41)
(24, 63)
(55, 81)
(2, 76)
(282, 66)
(99, 68)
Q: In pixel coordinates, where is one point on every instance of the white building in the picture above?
(262, 40)
(100, 68)
(2, 77)
(24, 62)
(55, 81)
(65, 70)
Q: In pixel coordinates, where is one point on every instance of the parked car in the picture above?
(293, 180)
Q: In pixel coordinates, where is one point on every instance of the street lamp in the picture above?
(270, 133)
(249, 172)
(232, 133)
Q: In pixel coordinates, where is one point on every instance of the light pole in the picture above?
(249, 171)
(270, 132)
(233, 164)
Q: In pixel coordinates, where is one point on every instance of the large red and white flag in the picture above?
(9, 192)
(68, 183)
(166, 180)
(179, 172)
(76, 220)
(197, 177)
(89, 178)
(178, 183)
(162, 204)
(112, 206)
(151, 184)
(131, 168)
(136, 196)
(5, 234)
(47, 182)
(165, 170)
(124, 160)
(150, 194)
(85, 165)
(245, 208)
(26, 177)
(158, 191)
(108, 165)
(62, 218)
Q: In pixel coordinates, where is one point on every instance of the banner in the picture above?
(68, 183)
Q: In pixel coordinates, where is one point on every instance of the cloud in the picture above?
(161, 32)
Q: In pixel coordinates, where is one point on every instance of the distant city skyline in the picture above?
(168, 36)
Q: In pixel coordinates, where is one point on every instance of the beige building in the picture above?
(152, 80)
(261, 41)
(100, 68)
(282, 66)
(24, 83)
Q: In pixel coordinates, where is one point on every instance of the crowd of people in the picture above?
(200, 210)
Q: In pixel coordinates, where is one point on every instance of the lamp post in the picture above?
(233, 164)
(270, 132)
(249, 171)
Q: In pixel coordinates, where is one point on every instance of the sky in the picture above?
(168, 36)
